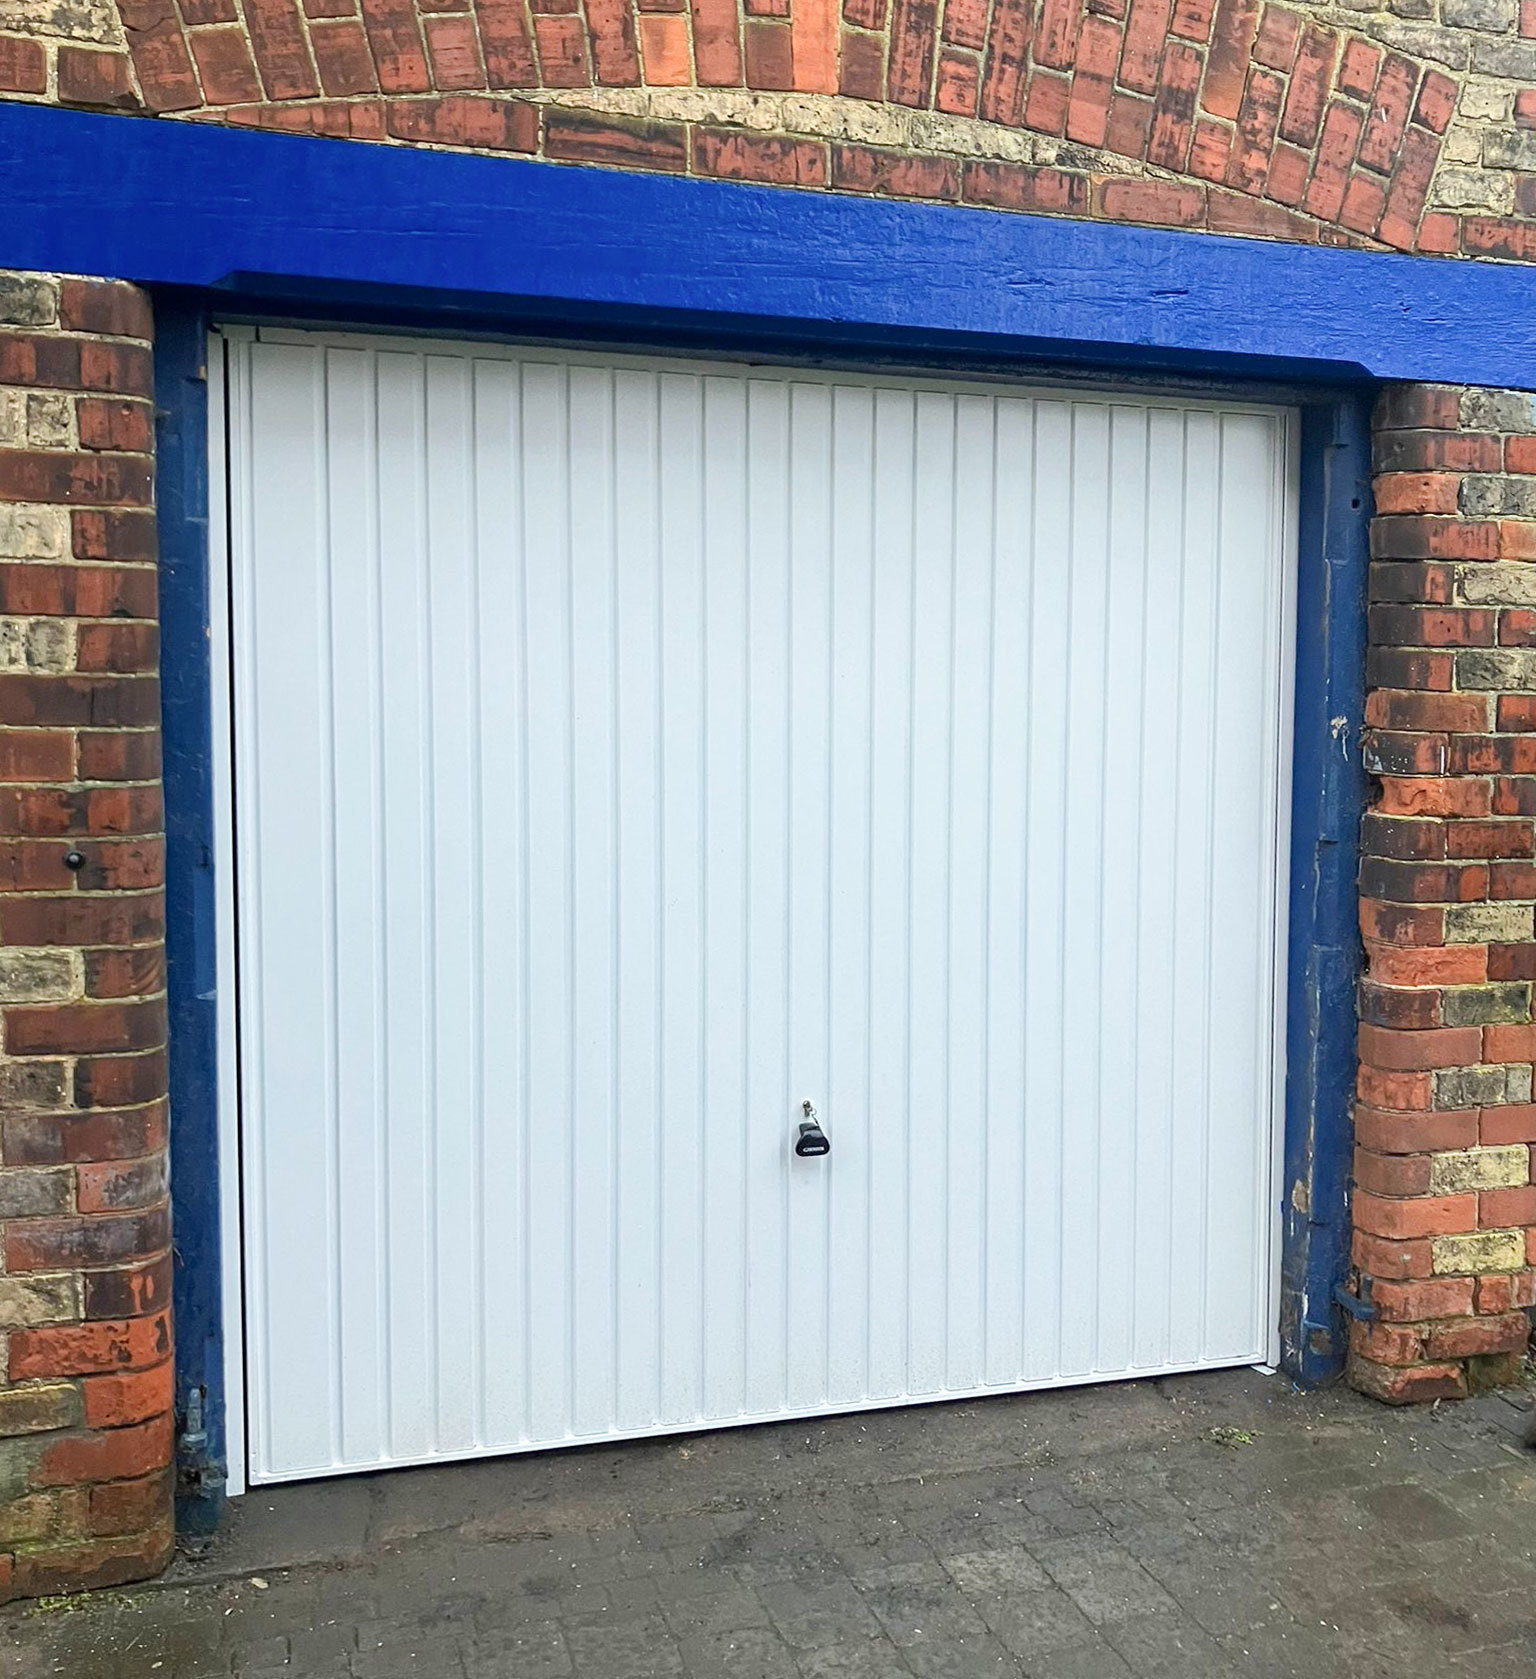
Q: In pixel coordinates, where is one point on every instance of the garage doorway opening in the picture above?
(624, 754)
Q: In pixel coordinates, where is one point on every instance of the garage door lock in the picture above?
(812, 1141)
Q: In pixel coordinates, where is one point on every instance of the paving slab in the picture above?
(1219, 1525)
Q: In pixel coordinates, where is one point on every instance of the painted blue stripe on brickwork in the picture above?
(198, 205)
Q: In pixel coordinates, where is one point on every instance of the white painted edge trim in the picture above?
(1289, 466)
(227, 1061)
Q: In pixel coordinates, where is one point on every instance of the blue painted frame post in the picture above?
(181, 393)
(1327, 800)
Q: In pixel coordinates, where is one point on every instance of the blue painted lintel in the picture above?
(304, 221)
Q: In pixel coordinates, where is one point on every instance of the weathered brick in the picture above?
(1414, 1302)
(1257, 121)
(1479, 1168)
(1418, 1216)
(1307, 93)
(1485, 1004)
(95, 1563)
(1511, 668)
(93, 1348)
(1392, 103)
(1477, 1086)
(870, 170)
(1056, 33)
(578, 138)
(130, 1507)
(1478, 1251)
(1236, 26)
(503, 125)
(1001, 94)
(27, 1301)
(1019, 187)
(1416, 1385)
(1477, 1337)
(115, 1186)
(1173, 109)
(23, 66)
(36, 1192)
(753, 157)
(126, 1291)
(39, 1408)
(121, 1401)
(1157, 202)
(78, 1243)
(1098, 54)
(226, 69)
(113, 1454)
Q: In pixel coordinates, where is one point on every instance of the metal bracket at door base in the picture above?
(1359, 1306)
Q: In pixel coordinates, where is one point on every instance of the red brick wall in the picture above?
(1231, 116)
(85, 1283)
(1445, 1208)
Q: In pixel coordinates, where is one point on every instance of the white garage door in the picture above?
(627, 754)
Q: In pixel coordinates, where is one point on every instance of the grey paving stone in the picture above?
(866, 1658)
(1007, 1568)
(1226, 1604)
(312, 1645)
(750, 1653)
(261, 1657)
(926, 1570)
(535, 1651)
(974, 1657)
(1103, 1579)
(407, 1654)
(955, 1530)
(684, 1532)
(1291, 1651)
(1414, 1514)
(1091, 1659)
(811, 1613)
(858, 1561)
(634, 1647)
(1168, 1647)
(923, 1611)
(534, 1601)
(730, 1609)
(1031, 1624)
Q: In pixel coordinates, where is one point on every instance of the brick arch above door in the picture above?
(1300, 124)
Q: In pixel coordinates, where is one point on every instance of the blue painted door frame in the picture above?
(224, 224)
(1328, 791)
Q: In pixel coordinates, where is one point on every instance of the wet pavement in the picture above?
(1175, 1529)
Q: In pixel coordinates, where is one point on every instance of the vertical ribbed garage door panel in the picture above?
(626, 754)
